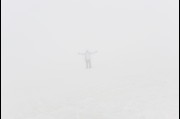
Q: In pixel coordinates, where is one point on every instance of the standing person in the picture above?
(87, 56)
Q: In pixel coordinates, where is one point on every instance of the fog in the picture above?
(134, 73)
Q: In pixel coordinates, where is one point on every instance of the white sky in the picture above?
(137, 44)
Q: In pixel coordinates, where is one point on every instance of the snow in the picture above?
(134, 74)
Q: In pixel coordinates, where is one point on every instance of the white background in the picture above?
(134, 74)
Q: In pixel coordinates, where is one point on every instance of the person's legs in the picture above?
(87, 64)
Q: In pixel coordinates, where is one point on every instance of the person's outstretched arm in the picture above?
(94, 52)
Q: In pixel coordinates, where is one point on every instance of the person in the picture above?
(87, 56)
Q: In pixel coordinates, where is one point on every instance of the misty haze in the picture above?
(90, 59)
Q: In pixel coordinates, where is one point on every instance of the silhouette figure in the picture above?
(87, 56)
